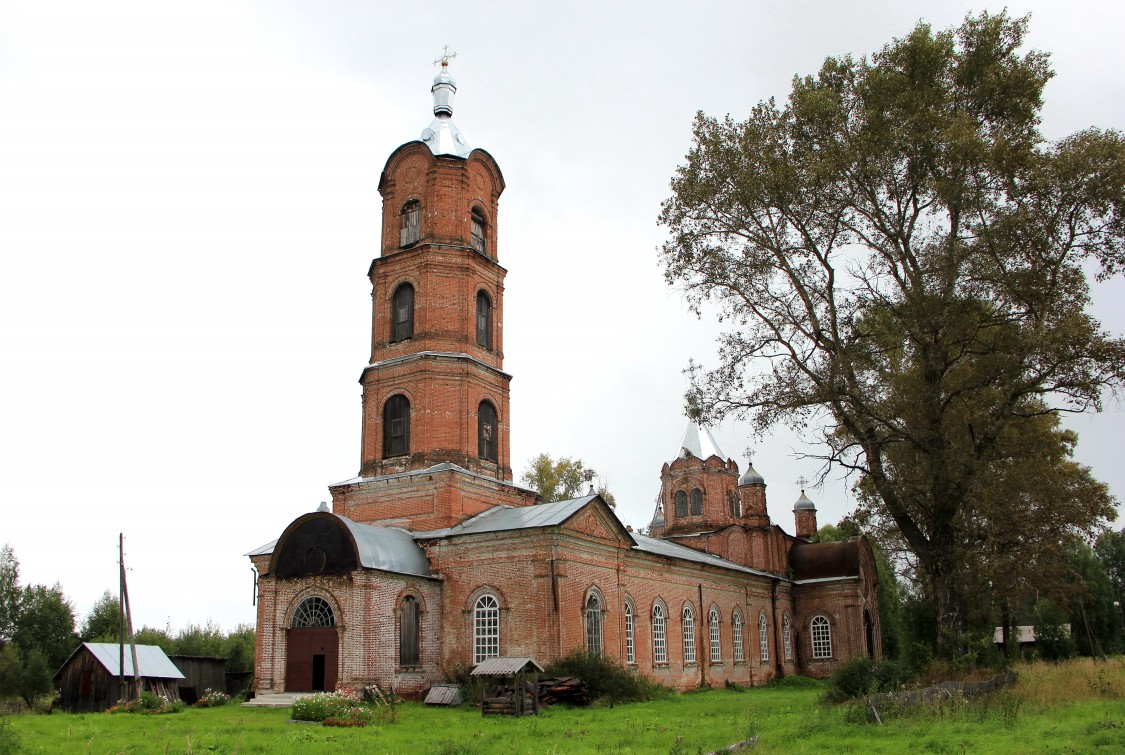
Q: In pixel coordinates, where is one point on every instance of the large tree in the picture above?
(46, 624)
(562, 479)
(9, 593)
(902, 258)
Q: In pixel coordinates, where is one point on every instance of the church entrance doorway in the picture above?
(312, 653)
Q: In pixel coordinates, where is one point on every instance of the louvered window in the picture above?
(681, 503)
(478, 239)
(411, 223)
(396, 427)
(486, 431)
(402, 313)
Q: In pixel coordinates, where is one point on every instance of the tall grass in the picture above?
(1050, 685)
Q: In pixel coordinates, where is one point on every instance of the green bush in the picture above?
(794, 681)
(9, 737)
(606, 678)
(863, 676)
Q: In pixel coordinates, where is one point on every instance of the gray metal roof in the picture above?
(698, 441)
(444, 466)
(442, 136)
(504, 665)
(662, 547)
(388, 549)
(751, 476)
(804, 504)
(503, 518)
(150, 658)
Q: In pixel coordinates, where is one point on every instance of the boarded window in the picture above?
(396, 427)
(696, 502)
(733, 504)
(477, 233)
(486, 629)
(402, 313)
(411, 223)
(486, 431)
(409, 624)
(484, 320)
(681, 503)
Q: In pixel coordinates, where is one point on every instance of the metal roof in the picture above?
(150, 658)
(698, 441)
(504, 665)
(804, 504)
(503, 518)
(385, 548)
(662, 547)
(442, 136)
(444, 466)
(751, 476)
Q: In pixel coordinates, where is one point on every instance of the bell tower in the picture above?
(434, 389)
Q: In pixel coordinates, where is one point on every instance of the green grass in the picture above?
(1070, 708)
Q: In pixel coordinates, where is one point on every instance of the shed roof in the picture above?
(151, 660)
(662, 547)
(504, 665)
(503, 518)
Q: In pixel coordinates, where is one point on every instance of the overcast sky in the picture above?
(189, 205)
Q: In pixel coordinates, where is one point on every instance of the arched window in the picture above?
(484, 320)
(736, 626)
(696, 502)
(716, 647)
(821, 637)
(402, 313)
(763, 637)
(314, 611)
(411, 223)
(734, 504)
(486, 628)
(409, 624)
(396, 426)
(689, 635)
(630, 632)
(787, 637)
(486, 431)
(477, 231)
(593, 625)
(659, 639)
(681, 503)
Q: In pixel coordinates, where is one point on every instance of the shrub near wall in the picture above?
(342, 708)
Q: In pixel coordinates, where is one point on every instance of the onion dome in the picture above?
(751, 476)
(804, 504)
(442, 136)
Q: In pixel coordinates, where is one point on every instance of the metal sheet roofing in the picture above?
(150, 659)
(503, 518)
(504, 665)
(672, 550)
(699, 442)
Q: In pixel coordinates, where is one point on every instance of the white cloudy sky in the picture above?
(188, 208)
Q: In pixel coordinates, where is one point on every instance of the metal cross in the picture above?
(749, 454)
(802, 482)
(445, 56)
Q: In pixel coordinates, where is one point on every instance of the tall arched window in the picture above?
(689, 635)
(696, 502)
(821, 634)
(736, 628)
(734, 504)
(477, 231)
(787, 637)
(681, 503)
(396, 426)
(314, 611)
(486, 628)
(486, 431)
(411, 223)
(659, 638)
(630, 632)
(716, 646)
(484, 320)
(763, 637)
(409, 624)
(593, 625)
(402, 313)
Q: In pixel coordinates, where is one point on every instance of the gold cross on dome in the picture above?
(446, 56)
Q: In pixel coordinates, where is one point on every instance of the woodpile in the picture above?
(566, 689)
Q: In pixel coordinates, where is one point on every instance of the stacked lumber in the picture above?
(565, 689)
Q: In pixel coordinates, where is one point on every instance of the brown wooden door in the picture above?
(312, 662)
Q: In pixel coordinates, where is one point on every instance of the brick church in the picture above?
(432, 559)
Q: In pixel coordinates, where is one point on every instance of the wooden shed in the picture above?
(89, 680)
(524, 698)
(201, 673)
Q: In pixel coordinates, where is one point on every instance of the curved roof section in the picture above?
(751, 476)
(387, 549)
(804, 504)
(820, 560)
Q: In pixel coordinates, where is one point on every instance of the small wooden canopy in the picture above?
(504, 665)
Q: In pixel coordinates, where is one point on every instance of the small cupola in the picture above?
(752, 496)
(804, 514)
(442, 136)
